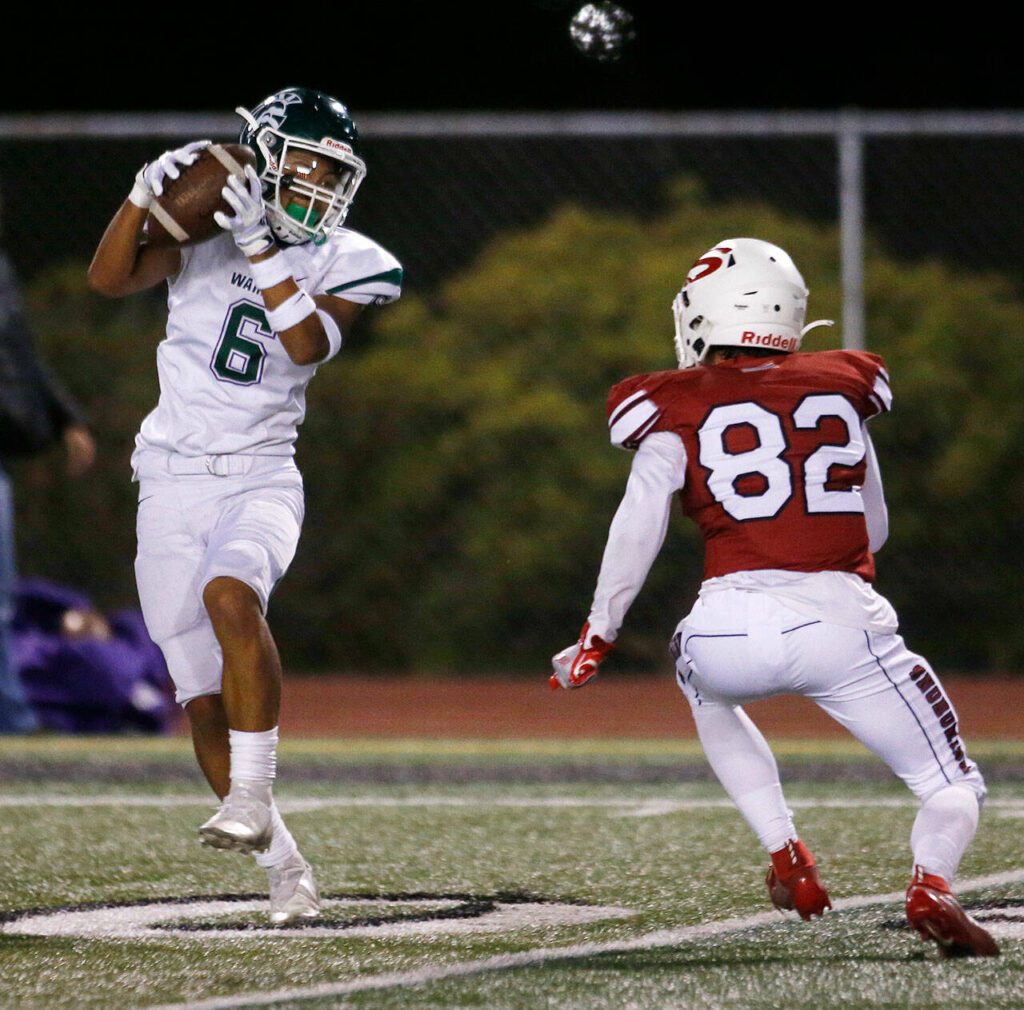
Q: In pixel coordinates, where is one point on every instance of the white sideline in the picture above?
(529, 958)
(626, 806)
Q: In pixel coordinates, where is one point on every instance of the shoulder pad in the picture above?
(361, 270)
(872, 367)
(632, 409)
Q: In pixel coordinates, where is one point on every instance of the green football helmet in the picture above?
(292, 132)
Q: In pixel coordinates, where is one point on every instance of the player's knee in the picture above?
(976, 783)
(234, 607)
(973, 781)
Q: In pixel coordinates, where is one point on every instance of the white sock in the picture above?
(766, 812)
(253, 756)
(743, 762)
(943, 829)
(282, 848)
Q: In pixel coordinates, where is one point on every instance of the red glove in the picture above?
(578, 664)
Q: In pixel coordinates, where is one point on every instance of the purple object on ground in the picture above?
(82, 684)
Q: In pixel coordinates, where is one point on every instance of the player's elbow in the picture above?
(102, 285)
(310, 353)
(307, 344)
(306, 357)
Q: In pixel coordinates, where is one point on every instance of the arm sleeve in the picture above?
(876, 515)
(637, 530)
(64, 408)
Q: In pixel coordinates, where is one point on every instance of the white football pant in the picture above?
(195, 527)
(738, 646)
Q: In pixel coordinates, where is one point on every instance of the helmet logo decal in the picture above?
(275, 109)
(335, 145)
(709, 264)
(782, 341)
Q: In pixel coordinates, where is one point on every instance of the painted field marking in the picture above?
(142, 922)
(630, 806)
(540, 955)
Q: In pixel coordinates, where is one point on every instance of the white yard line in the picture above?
(530, 958)
(629, 806)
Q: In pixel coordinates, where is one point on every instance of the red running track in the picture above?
(647, 707)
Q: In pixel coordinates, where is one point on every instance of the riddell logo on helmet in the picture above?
(769, 340)
(336, 145)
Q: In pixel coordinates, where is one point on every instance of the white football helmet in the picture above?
(742, 293)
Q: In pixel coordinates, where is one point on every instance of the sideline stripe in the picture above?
(530, 958)
(631, 806)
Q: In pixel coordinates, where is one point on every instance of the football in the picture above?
(602, 30)
(184, 214)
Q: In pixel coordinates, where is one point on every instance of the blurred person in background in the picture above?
(36, 413)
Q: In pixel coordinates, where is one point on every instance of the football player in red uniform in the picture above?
(769, 453)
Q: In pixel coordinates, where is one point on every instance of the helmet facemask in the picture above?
(690, 348)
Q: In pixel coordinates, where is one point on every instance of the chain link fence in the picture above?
(439, 187)
(943, 188)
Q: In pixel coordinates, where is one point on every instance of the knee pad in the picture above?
(246, 561)
(925, 788)
(195, 663)
(168, 594)
(973, 780)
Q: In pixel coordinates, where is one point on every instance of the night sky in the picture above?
(414, 55)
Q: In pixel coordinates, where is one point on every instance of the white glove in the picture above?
(249, 226)
(149, 180)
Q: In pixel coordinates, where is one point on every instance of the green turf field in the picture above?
(463, 887)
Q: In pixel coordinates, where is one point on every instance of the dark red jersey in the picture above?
(775, 454)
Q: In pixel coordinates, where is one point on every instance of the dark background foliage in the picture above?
(460, 481)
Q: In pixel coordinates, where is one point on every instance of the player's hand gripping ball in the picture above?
(183, 190)
(601, 30)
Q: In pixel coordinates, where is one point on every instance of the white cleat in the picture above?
(293, 892)
(243, 823)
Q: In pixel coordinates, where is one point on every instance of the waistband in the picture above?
(149, 463)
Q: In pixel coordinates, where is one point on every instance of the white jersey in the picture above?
(227, 385)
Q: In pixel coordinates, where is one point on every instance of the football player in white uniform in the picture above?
(252, 314)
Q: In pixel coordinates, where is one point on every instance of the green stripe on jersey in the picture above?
(390, 276)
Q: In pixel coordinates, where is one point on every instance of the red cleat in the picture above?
(936, 915)
(793, 883)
